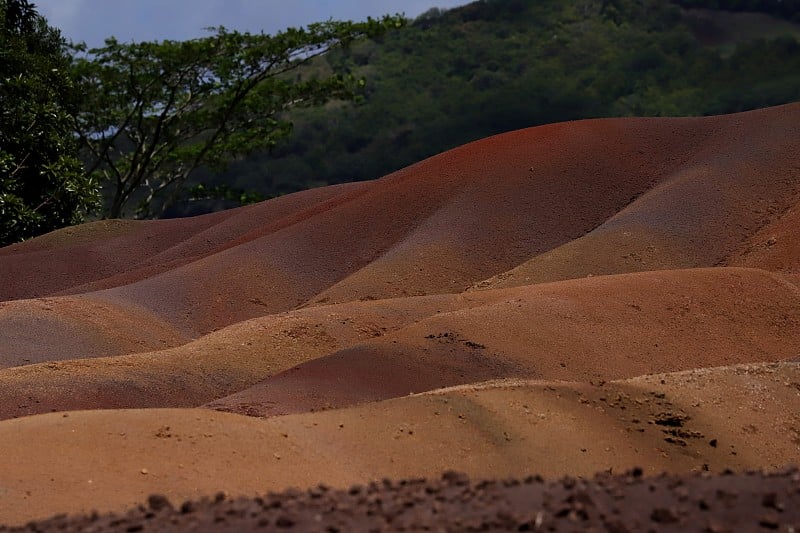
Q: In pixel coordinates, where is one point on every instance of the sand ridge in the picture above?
(111, 460)
(343, 354)
(482, 209)
(569, 299)
(590, 329)
(210, 367)
(43, 330)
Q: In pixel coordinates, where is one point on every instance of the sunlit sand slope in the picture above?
(568, 299)
(587, 330)
(737, 417)
(684, 192)
(215, 365)
(590, 329)
(52, 329)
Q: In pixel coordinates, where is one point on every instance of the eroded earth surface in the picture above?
(577, 299)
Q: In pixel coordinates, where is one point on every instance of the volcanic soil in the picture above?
(583, 298)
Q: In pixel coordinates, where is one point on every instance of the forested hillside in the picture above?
(788, 9)
(493, 66)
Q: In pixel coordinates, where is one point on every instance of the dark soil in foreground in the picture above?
(711, 503)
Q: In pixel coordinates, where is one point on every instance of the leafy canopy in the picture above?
(42, 184)
(459, 75)
(155, 112)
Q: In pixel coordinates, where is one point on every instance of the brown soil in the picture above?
(577, 298)
(590, 329)
(745, 502)
(110, 460)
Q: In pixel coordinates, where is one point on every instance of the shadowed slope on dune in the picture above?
(685, 191)
(589, 329)
(738, 417)
(109, 253)
(597, 328)
(52, 329)
(599, 253)
(77, 255)
(700, 186)
(215, 365)
(239, 226)
(741, 181)
(775, 247)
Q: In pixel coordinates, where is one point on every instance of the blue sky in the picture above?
(92, 21)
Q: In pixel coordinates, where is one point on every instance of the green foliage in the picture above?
(156, 112)
(788, 9)
(42, 184)
(224, 192)
(497, 65)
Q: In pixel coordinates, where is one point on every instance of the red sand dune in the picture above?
(573, 254)
(213, 366)
(52, 329)
(439, 226)
(591, 329)
(112, 460)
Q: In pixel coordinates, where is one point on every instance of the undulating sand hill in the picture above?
(570, 299)
(739, 417)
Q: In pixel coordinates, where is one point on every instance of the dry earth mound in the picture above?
(739, 417)
(590, 329)
(628, 287)
(689, 191)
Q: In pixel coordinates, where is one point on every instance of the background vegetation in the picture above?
(153, 113)
(42, 183)
(493, 66)
(147, 110)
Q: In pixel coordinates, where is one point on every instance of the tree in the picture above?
(42, 184)
(155, 112)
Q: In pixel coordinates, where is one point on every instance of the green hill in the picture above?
(497, 65)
